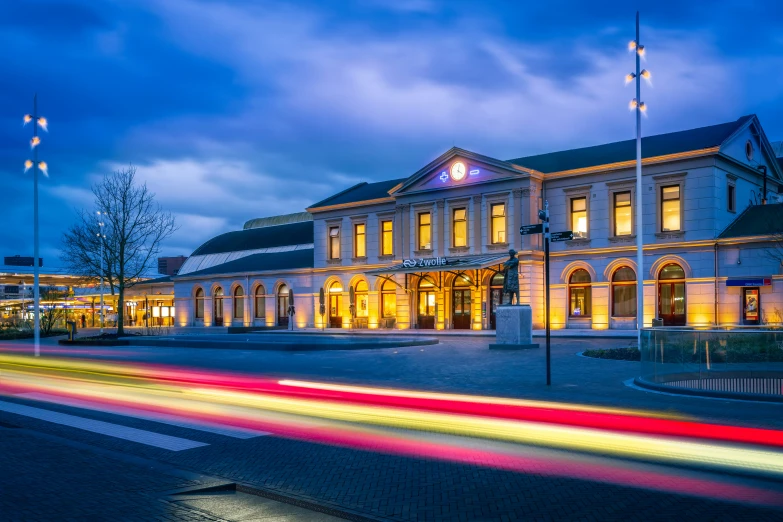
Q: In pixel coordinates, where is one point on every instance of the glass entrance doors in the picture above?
(282, 306)
(671, 295)
(495, 297)
(461, 308)
(671, 303)
(335, 319)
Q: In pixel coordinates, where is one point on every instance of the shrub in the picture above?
(630, 353)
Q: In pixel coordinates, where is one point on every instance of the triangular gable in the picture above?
(443, 174)
(734, 146)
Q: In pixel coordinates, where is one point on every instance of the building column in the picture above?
(517, 242)
(476, 203)
(440, 205)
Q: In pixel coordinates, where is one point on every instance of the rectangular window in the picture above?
(359, 243)
(580, 301)
(425, 231)
(334, 242)
(624, 300)
(670, 209)
(732, 198)
(579, 216)
(622, 214)
(460, 227)
(387, 239)
(498, 232)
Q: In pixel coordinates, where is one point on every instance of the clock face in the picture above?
(458, 171)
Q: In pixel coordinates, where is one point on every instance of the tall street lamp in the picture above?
(101, 238)
(639, 106)
(37, 121)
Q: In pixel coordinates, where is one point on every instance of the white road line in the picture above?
(104, 428)
(165, 418)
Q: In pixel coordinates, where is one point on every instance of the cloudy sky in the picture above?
(239, 109)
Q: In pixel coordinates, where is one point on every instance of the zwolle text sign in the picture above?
(426, 262)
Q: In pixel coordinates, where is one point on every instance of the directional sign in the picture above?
(531, 229)
(562, 236)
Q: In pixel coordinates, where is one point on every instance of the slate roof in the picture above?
(756, 220)
(255, 238)
(261, 262)
(361, 192)
(659, 145)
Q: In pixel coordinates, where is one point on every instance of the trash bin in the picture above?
(71, 326)
(657, 321)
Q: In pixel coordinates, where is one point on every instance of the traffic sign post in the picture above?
(568, 235)
(526, 230)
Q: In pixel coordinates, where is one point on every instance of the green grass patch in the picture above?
(631, 353)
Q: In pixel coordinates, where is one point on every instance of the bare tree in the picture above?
(134, 228)
(51, 315)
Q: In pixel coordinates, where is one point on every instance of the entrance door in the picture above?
(217, 304)
(335, 319)
(426, 310)
(671, 303)
(751, 306)
(282, 306)
(461, 308)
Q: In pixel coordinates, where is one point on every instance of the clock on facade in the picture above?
(458, 171)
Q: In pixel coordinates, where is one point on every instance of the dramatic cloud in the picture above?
(236, 110)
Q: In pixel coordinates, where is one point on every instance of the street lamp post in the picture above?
(101, 238)
(37, 121)
(639, 106)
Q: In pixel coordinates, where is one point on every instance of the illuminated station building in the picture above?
(426, 251)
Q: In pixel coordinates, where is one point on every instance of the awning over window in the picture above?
(442, 264)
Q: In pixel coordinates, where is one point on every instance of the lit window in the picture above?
(387, 246)
(425, 231)
(732, 198)
(579, 217)
(334, 243)
(580, 293)
(239, 303)
(460, 227)
(388, 299)
(199, 304)
(622, 214)
(362, 299)
(624, 292)
(359, 243)
(498, 223)
(670, 208)
(260, 307)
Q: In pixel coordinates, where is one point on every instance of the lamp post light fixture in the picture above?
(101, 238)
(37, 121)
(639, 106)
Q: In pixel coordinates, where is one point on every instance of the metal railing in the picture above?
(717, 361)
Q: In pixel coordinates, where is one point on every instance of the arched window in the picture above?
(199, 303)
(388, 299)
(239, 303)
(579, 291)
(624, 292)
(671, 295)
(260, 304)
(361, 292)
(217, 305)
(282, 305)
(671, 271)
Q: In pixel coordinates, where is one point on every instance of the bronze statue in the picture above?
(511, 278)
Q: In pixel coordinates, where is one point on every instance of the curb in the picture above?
(709, 394)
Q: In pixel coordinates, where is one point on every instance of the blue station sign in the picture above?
(749, 281)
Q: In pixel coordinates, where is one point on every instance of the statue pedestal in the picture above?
(514, 328)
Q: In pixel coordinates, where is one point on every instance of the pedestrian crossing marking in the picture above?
(104, 428)
(164, 418)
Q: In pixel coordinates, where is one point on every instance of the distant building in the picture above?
(170, 265)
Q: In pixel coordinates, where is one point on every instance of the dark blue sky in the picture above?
(241, 109)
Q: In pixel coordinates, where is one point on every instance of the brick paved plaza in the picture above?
(52, 472)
